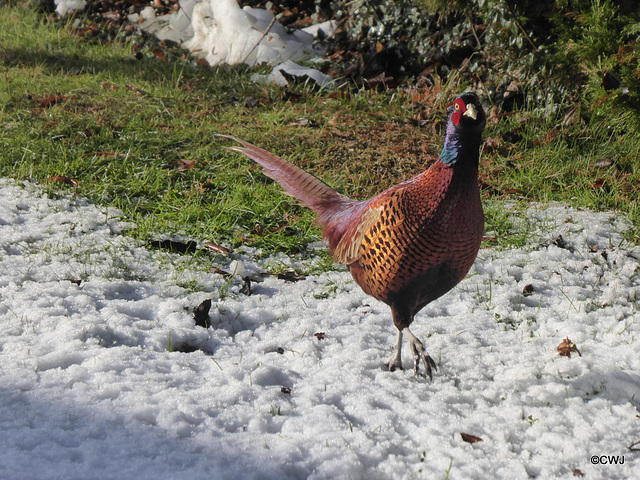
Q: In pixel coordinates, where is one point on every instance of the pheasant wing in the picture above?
(382, 220)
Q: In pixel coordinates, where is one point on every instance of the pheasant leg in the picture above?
(395, 362)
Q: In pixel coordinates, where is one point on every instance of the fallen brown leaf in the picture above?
(216, 248)
(467, 437)
(68, 180)
(134, 89)
(220, 271)
(184, 165)
(159, 54)
(49, 102)
(567, 347)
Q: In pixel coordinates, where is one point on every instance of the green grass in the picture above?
(138, 135)
(593, 164)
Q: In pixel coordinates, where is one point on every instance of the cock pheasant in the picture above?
(411, 243)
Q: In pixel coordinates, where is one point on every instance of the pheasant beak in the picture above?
(471, 112)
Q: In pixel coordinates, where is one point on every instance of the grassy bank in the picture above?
(133, 128)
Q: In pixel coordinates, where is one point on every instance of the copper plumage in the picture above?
(411, 243)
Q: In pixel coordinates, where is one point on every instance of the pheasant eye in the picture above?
(456, 106)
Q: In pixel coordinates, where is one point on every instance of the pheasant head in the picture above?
(464, 132)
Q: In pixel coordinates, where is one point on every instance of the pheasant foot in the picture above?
(419, 353)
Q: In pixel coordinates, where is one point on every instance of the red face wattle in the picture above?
(470, 113)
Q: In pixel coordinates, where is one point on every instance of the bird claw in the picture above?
(420, 354)
(429, 364)
(394, 364)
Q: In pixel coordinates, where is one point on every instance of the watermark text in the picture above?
(607, 459)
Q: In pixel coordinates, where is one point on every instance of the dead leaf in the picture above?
(159, 54)
(184, 165)
(216, 248)
(604, 163)
(319, 335)
(419, 97)
(492, 143)
(567, 347)
(219, 271)
(336, 55)
(202, 63)
(467, 437)
(527, 291)
(68, 180)
(134, 89)
(109, 86)
(51, 101)
(512, 90)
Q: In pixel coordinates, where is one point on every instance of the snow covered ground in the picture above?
(90, 389)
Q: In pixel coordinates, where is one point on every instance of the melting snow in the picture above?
(224, 34)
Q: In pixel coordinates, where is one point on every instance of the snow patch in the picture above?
(65, 7)
(224, 34)
(94, 382)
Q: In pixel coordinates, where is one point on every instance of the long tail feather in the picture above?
(309, 190)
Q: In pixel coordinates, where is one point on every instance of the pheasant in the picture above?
(413, 242)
